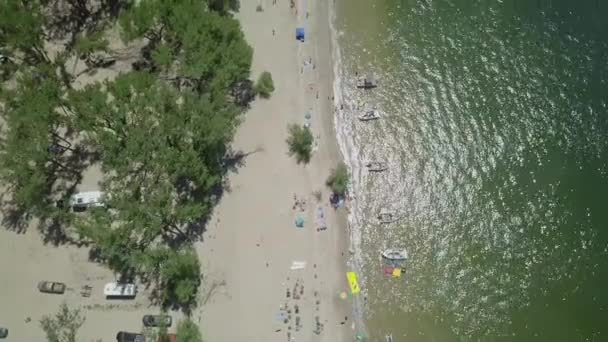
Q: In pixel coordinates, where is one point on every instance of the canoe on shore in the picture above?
(387, 217)
(376, 166)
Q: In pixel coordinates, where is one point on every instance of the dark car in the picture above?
(124, 336)
(157, 320)
(51, 287)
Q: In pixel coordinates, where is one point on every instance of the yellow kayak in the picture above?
(352, 282)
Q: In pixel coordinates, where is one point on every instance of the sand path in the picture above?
(252, 240)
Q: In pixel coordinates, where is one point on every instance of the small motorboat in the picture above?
(367, 82)
(387, 217)
(372, 114)
(388, 338)
(376, 166)
(395, 254)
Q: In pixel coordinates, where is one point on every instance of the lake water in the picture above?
(495, 129)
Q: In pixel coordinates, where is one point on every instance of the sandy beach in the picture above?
(249, 292)
(25, 260)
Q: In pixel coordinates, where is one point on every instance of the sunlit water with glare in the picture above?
(495, 128)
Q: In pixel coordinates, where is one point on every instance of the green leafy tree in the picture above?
(64, 326)
(180, 276)
(188, 331)
(27, 26)
(264, 86)
(223, 6)
(338, 179)
(209, 51)
(33, 139)
(162, 152)
(87, 44)
(161, 145)
(300, 142)
(22, 31)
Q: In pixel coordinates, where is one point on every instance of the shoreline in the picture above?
(353, 237)
(246, 257)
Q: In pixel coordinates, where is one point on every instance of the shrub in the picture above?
(300, 143)
(188, 331)
(338, 179)
(264, 86)
(64, 325)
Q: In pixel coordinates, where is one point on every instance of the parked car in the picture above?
(3, 332)
(120, 290)
(51, 287)
(157, 320)
(124, 336)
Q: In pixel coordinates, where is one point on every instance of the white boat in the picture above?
(387, 217)
(372, 114)
(376, 166)
(395, 254)
(120, 290)
(83, 200)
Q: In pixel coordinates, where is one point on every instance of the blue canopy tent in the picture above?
(300, 34)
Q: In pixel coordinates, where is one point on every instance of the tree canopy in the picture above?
(203, 49)
(264, 86)
(338, 179)
(299, 142)
(159, 132)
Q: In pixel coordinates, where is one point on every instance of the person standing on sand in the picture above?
(273, 32)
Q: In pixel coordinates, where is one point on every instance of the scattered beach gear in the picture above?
(343, 295)
(299, 221)
(298, 203)
(300, 34)
(396, 272)
(336, 200)
(308, 115)
(320, 219)
(280, 316)
(388, 270)
(298, 265)
(86, 291)
(395, 253)
(366, 82)
(368, 115)
(376, 166)
(388, 338)
(352, 282)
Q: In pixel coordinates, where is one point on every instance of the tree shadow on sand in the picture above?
(231, 163)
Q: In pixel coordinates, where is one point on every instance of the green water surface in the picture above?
(496, 128)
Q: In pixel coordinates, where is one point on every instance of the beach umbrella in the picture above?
(308, 115)
(299, 222)
(300, 34)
